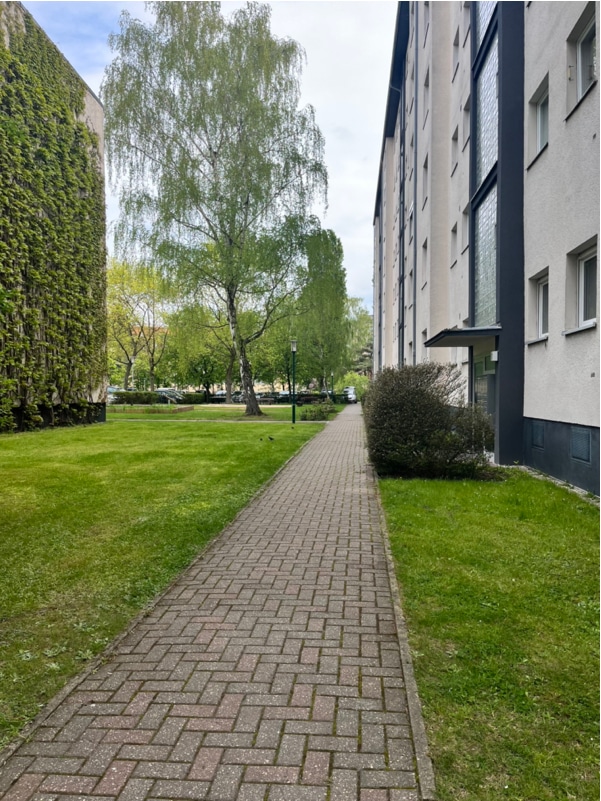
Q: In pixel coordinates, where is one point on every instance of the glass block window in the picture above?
(580, 444)
(484, 11)
(487, 114)
(485, 261)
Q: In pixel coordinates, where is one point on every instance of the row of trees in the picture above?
(158, 335)
(219, 171)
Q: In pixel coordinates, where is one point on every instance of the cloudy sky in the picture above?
(349, 49)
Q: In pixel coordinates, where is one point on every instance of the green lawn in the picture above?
(96, 520)
(500, 585)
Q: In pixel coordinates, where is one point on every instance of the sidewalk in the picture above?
(275, 669)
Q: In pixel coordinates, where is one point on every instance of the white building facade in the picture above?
(487, 218)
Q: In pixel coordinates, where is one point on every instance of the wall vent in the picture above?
(538, 434)
(580, 444)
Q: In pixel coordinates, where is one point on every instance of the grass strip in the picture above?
(500, 586)
(281, 414)
(95, 521)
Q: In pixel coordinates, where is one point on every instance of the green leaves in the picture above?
(52, 319)
(218, 167)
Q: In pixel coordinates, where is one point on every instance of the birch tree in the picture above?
(217, 166)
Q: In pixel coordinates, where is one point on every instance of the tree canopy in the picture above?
(218, 168)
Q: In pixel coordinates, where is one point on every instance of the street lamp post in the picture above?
(293, 348)
(332, 377)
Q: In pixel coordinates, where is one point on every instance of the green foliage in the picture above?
(52, 282)
(318, 411)
(194, 397)
(137, 302)
(361, 338)
(219, 166)
(137, 398)
(418, 425)
(358, 380)
(322, 325)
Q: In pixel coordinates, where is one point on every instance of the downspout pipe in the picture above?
(402, 144)
(415, 130)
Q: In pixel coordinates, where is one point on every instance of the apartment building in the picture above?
(487, 218)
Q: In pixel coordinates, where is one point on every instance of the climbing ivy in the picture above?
(52, 228)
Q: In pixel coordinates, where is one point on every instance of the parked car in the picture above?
(169, 395)
(111, 394)
(349, 395)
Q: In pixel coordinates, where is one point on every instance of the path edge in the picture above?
(425, 768)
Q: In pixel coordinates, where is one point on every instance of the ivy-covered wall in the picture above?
(52, 233)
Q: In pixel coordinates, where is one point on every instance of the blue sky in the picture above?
(348, 47)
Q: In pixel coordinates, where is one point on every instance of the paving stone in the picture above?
(269, 671)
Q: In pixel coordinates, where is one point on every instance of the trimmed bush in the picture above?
(194, 397)
(419, 426)
(137, 398)
(318, 411)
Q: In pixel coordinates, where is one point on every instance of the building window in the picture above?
(425, 182)
(487, 115)
(484, 12)
(586, 56)
(454, 149)
(455, 54)
(485, 260)
(581, 57)
(542, 306)
(542, 122)
(465, 230)
(538, 119)
(454, 245)
(465, 22)
(587, 288)
(466, 120)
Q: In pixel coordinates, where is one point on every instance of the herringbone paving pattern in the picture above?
(270, 671)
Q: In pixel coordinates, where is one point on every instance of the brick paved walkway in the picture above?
(270, 671)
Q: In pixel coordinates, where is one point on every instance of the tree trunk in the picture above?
(252, 404)
(127, 374)
(229, 374)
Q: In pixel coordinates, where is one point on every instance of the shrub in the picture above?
(318, 411)
(194, 397)
(418, 424)
(137, 398)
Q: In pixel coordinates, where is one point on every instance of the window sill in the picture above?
(538, 155)
(581, 100)
(583, 327)
(544, 338)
